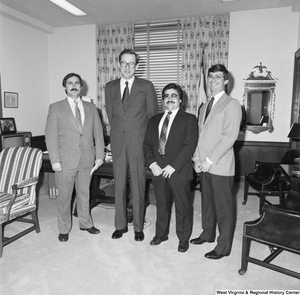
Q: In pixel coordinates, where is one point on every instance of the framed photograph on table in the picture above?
(7, 126)
(10, 99)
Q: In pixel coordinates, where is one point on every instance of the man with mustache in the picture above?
(169, 144)
(75, 143)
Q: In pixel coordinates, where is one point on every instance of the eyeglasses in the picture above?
(217, 77)
(173, 95)
(124, 64)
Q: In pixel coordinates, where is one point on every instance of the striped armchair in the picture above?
(19, 175)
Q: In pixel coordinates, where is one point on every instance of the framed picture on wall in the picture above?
(7, 126)
(10, 99)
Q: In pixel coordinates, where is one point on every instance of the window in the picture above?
(159, 46)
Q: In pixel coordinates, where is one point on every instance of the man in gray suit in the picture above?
(130, 102)
(74, 139)
(219, 124)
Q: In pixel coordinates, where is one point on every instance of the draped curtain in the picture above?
(111, 40)
(205, 43)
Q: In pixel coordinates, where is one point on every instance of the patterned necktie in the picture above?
(163, 135)
(210, 104)
(78, 116)
(125, 98)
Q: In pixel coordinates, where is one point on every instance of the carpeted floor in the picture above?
(39, 264)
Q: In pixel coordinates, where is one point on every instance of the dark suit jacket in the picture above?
(132, 125)
(64, 142)
(180, 146)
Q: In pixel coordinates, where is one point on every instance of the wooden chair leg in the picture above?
(246, 190)
(1, 241)
(245, 255)
(35, 220)
(262, 200)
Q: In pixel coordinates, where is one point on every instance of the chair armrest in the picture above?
(19, 185)
(25, 183)
(279, 210)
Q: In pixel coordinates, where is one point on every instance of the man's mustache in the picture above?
(170, 101)
(74, 89)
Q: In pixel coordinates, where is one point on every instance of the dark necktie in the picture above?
(78, 117)
(125, 98)
(163, 135)
(210, 104)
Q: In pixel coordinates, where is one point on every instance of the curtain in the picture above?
(205, 43)
(111, 40)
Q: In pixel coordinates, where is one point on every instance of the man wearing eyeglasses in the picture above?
(169, 144)
(130, 102)
(219, 124)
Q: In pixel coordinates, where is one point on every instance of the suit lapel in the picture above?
(87, 115)
(216, 108)
(117, 101)
(134, 90)
(69, 114)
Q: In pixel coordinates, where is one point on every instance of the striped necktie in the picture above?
(210, 104)
(78, 117)
(163, 135)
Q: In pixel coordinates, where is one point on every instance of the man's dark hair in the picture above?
(129, 51)
(175, 87)
(219, 68)
(64, 82)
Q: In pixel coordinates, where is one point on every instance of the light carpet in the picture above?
(96, 264)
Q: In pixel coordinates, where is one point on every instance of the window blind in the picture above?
(159, 46)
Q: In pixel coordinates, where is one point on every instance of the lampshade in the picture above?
(295, 131)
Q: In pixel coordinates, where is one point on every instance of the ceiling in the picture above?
(123, 11)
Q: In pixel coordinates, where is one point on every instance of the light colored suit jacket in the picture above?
(218, 134)
(131, 126)
(64, 142)
(180, 145)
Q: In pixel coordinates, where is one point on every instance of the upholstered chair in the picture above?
(19, 175)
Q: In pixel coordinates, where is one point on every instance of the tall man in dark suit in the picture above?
(169, 145)
(130, 102)
(74, 139)
(219, 124)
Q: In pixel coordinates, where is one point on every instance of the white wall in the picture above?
(34, 63)
(72, 49)
(24, 69)
(269, 36)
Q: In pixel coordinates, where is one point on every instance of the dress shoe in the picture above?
(183, 246)
(199, 241)
(139, 236)
(63, 237)
(214, 255)
(118, 233)
(92, 230)
(156, 240)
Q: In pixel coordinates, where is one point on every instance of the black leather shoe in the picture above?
(63, 237)
(92, 230)
(214, 255)
(183, 246)
(139, 236)
(199, 241)
(156, 240)
(118, 233)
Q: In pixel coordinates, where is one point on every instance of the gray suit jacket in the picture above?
(218, 134)
(132, 125)
(64, 142)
